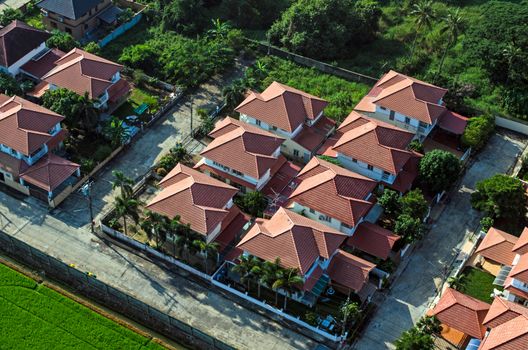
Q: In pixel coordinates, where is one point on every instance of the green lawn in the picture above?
(478, 284)
(137, 98)
(36, 317)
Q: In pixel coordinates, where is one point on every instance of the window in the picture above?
(391, 115)
(258, 122)
(325, 218)
(370, 167)
(385, 175)
(274, 128)
(312, 211)
(345, 225)
(407, 120)
(236, 172)
(296, 152)
(53, 24)
(383, 108)
(354, 160)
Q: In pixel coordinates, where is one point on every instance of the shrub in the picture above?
(390, 202)
(87, 165)
(92, 47)
(330, 159)
(161, 172)
(439, 170)
(410, 228)
(62, 41)
(168, 162)
(102, 152)
(416, 146)
(253, 203)
(478, 131)
(486, 223)
(414, 204)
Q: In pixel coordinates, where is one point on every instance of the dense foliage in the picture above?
(439, 169)
(414, 339)
(78, 110)
(9, 15)
(478, 131)
(62, 41)
(326, 28)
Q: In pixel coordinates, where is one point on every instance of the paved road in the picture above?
(415, 289)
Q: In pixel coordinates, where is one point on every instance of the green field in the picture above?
(478, 284)
(36, 317)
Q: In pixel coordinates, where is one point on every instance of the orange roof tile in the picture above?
(462, 312)
(373, 239)
(83, 72)
(295, 239)
(349, 270)
(374, 142)
(49, 172)
(24, 125)
(198, 199)
(12, 165)
(312, 137)
(502, 311)
(334, 191)
(39, 67)
(520, 270)
(17, 39)
(282, 106)
(512, 335)
(497, 245)
(243, 147)
(521, 246)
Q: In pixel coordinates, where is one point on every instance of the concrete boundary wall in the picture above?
(512, 125)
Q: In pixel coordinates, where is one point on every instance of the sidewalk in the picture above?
(416, 287)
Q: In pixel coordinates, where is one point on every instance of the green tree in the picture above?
(390, 202)
(429, 325)
(289, 281)
(413, 339)
(233, 93)
(9, 15)
(8, 85)
(500, 196)
(183, 16)
(413, 203)
(457, 282)
(350, 312)
(64, 102)
(206, 249)
(122, 182)
(486, 223)
(416, 146)
(116, 132)
(220, 29)
(424, 14)
(245, 267)
(270, 274)
(254, 203)
(155, 226)
(454, 24)
(410, 228)
(93, 48)
(62, 41)
(439, 169)
(478, 131)
(127, 207)
(185, 238)
(87, 114)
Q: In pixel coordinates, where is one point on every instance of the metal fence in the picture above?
(108, 296)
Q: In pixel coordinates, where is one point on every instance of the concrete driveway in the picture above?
(411, 294)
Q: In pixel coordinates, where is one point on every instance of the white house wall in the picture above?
(14, 69)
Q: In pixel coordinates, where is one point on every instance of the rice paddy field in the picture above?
(34, 316)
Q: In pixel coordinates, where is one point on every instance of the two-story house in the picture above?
(19, 43)
(405, 102)
(292, 114)
(75, 17)
(200, 201)
(332, 195)
(28, 135)
(83, 73)
(375, 149)
(313, 249)
(242, 155)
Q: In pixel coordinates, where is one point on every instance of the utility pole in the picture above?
(86, 192)
(192, 97)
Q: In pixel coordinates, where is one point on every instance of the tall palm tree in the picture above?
(424, 14)
(185, 241)
(289, 281)
(457, 282)
(244, 267)
(155, 226)
(234, 93)
(127, 207)
(349, 310)
(123, 182)
(271, 274)
(88, 115)
(453, 25)
(206, 249)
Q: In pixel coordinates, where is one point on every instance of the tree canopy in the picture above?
(62, 41)
(439, 170)
(78, 110)
(478, 131)
(414, 339)
(326, 28)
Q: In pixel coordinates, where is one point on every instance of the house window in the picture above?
(312, 211)
(274, 128)
(385, 175)
(391, 115)
(325, 218)
(370, 167)
(258, 122)
(236, 172)
(296, 152)
(354, 160)
(345, 225)
(424, 125)
(53, 24)
(383, 108)
(407, 120)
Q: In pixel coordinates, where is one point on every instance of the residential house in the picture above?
(502, 311)
(19, 43)
(332, 195)
(511, 335)
(83, 73)
(461, 317)
(410, 104)
(200, 201)
(506, 257)
(242, 155)
(313, 249)
(292, 114)
(374, 240)
(375, 149)
(75, 17)
(29, 134)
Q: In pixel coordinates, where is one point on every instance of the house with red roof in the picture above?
(313, 249)
(510, 335)
(29, 134)
(200, 201)
(19, 43)
(292, 114)
(374, 149)
(242, 155)
(332, 195)
(410, 104)
(496, 250)
(81, 72)
(502, 311)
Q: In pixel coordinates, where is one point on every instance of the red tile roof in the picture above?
(49, 172)
(512, 335)
(281, 179)
(312, 137)
(373, 142)
(520, 270)
(502, 311)
(17, 39)
(521, 246)
(282, 106)
(350, 271)
(461, 312)
(83, 72)
(497, 245)
(405, 178)
(453, 122)
(24, 125)
(373, 239)
(334, 191)
(118, 90)
(295, 239)
(405, 95)
(198, 199)
(12, 165)
(39, 67)
(243, 147)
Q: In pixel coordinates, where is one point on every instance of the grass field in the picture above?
(478, 284)
(36, 317)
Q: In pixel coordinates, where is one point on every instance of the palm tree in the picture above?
(155, 226)
(234, 93)
(87, 114)
(457, 282)
(414, 339)
(349, 310)
(123, 182)
(260, 69)
(429, 325)
(127, 207)
(244, 267)
(453, 25)
(424, 14)
(288, 280)
(220, 29)
(270, 274)
(206, 248)
(116, 132)
(185, 241)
